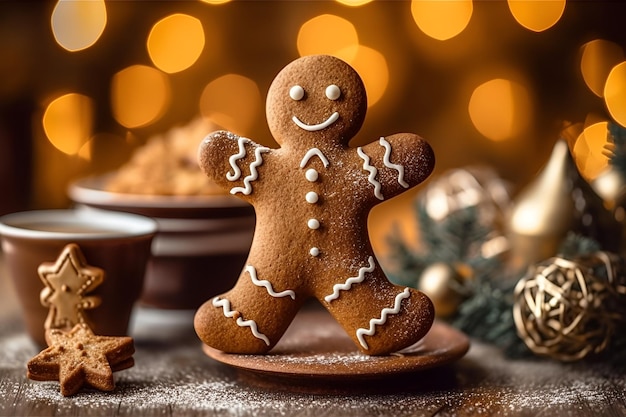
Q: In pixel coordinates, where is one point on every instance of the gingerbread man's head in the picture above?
(316, 99)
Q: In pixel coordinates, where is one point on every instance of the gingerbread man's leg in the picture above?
(250, 318)
(379, 316)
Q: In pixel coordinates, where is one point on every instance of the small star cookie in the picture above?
(78, 358)
(67, 280)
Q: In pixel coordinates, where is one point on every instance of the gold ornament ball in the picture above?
(444, 284)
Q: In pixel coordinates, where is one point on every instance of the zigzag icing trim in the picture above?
(254, 175)
(362, 332)
(352, 280)
(225, 305)
(268, 285)
(236, 157)
(391, 165)
(373, 172)
(310, 154)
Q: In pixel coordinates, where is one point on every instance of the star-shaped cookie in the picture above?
(66, 281)
(78, 358)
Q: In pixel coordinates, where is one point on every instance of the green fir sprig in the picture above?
(616, 147)
(487, 314)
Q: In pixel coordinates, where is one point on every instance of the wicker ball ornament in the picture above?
(568, 309)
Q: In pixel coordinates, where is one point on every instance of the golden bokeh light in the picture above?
(76, 25)
(215, 1)
(615, 93)
(597, 59)
(68, 122)
(175, 42)
(500, 109)
(371, 66)
(85, 151)
(233, 102)
(326, 34)
(139, 95)
(537, 15)
(354, 3)
(442, 20)
(589, 152)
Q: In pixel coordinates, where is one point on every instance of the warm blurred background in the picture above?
(85, 83)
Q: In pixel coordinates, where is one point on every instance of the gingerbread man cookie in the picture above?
(312, 197)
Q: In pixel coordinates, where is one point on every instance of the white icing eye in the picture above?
(333, 92)
(296, 93)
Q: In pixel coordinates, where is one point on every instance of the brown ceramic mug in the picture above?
(118, 243)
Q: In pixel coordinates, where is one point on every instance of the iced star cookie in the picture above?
(67, 282)
(312, 197)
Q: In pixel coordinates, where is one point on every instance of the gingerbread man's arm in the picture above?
(396, 163)
(231, 161)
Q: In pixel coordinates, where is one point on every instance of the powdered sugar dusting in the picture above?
(173, 377)
(225, 394)
(329, 359)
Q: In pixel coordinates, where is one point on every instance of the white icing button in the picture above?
(313, 224)
(314, 251)
(311, 197)
(311, 175)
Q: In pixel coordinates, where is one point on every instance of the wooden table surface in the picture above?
(172, 376)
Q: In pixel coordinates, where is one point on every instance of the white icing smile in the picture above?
(312, 128)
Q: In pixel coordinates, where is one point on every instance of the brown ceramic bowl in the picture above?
(200, 248)
(118, 243)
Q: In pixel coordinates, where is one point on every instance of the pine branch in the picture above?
(616, 141)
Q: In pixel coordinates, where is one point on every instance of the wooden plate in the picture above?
(316, 347)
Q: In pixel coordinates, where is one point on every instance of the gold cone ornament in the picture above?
(557, 202)
(543, 212)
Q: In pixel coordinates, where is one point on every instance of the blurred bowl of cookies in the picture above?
(204, 234)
